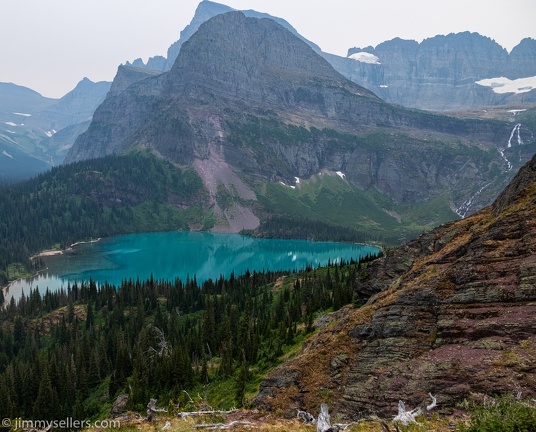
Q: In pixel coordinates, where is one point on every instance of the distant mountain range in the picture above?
(36, 132)
(262, 117)
(453, 72)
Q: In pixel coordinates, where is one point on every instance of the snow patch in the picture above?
(365, 57)
(5, 153)
(297, 180)
(384, 86)
(11, 124)
(286, 185)
(22, 114)
(341, 175)
(10, 131)
(515, 111)
(50, 133)
(503, 85)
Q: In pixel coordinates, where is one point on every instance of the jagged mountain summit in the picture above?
(443, 73)
(451, 313)
(204, 11)
(247, 102)
(452, 72)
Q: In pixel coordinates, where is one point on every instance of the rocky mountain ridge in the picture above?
(248, 102)
(36, 132)
(451, 313)
(459, 70)
(440, 73)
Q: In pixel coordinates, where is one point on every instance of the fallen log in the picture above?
(221, 426)
(200, 413)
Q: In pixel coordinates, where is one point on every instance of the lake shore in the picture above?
(44, 253)
(52, 252)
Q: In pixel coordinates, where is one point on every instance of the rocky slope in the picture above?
(247, 102)
(452, 313)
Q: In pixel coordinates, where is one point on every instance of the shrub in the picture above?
(505, 414)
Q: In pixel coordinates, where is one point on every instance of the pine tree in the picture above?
(241, 381)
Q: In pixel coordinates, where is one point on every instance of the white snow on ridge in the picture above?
(503, 85)
(50, 133)
(10, 131)
(22, 114)
(515, 111)
(11, 124)
(297, 180)
(5, 153)
(341, 174)
(365, 57)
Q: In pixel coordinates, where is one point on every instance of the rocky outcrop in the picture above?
(129, 75)
(452, 313)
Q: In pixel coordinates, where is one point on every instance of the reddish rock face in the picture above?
(454, 314)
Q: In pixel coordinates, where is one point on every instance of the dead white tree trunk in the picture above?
(406, 417)
(152, 410)
(200, 413)
(323, 423)
(305, 417)
(163, 348)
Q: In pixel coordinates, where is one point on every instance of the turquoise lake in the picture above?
(173, 255)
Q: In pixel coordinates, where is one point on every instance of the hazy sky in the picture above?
(50, 45)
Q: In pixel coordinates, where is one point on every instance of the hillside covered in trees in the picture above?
(72, 352)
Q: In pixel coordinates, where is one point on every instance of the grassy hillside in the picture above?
(329, 199)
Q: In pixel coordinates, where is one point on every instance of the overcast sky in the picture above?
(50, 45)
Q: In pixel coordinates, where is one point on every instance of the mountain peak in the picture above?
(249, 57)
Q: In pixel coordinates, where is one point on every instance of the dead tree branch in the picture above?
(406, 417)
(152, 410)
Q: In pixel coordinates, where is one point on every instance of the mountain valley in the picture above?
(247, 127)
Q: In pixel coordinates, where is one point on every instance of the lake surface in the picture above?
(173, 255)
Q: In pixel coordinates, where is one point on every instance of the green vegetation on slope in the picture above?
(86, 345)
(328, 206)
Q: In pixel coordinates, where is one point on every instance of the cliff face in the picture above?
(451, 313)
(248, 95)
(441, 72)
(438, 74)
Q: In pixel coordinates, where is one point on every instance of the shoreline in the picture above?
(44, 253)
(52, 252)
